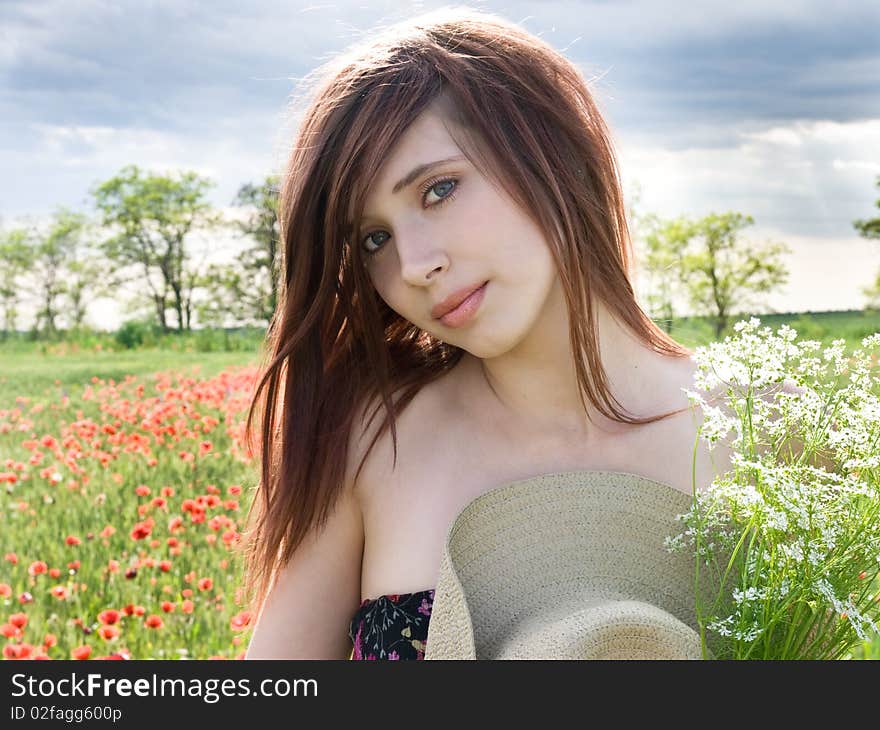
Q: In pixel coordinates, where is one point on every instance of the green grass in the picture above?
(851, 326)
(28, 371)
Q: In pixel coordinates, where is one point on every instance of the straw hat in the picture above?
(569, 565)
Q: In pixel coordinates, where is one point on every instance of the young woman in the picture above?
(456, 258)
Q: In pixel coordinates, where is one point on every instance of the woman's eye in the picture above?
(370, 238)
(446, 186)
(442, 185)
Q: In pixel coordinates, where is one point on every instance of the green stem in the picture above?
(792, 629)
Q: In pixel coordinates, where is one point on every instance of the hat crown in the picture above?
(554, 565)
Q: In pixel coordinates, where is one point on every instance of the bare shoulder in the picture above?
(365, 424)
(379, 461)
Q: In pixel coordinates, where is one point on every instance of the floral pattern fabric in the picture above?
(393, 626)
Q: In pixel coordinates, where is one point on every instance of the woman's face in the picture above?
(451, 229)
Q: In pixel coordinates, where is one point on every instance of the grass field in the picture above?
(124, 483)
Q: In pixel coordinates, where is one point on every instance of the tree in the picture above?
(86, 280)
(247, 289)
(52, 252)
(15, 261)
(720, 272)
(664, 244)
(153, 215)
(871, 229)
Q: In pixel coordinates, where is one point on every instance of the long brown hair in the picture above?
(524, 114)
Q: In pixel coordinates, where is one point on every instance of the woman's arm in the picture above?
(307, 612)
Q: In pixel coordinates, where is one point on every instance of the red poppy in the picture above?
(110, 616)
(205, 584)
(108, 632)
(81, 652)
(167, 606)
(19, 619)
(153, 621)
(37, 567)
(141, 530)
(240, 621)
(17, 651)
(72, 540)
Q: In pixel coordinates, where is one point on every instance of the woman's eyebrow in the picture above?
(410, 177)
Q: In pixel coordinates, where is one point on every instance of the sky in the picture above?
(768, 109)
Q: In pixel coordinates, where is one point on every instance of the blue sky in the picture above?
(771, 109)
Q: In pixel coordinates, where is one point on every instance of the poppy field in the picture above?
(121, 506)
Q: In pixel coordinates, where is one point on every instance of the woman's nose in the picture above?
(419, 259)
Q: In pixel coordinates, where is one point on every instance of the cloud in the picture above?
(58, 165)
(787, 177)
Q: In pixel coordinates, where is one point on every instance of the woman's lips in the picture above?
(464, 311)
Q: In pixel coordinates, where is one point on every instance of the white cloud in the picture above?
(65, 162)
(787, 176)
(856, 165)
(784, 136)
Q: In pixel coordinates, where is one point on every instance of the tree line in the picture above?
(141, 233)
(142, 228)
